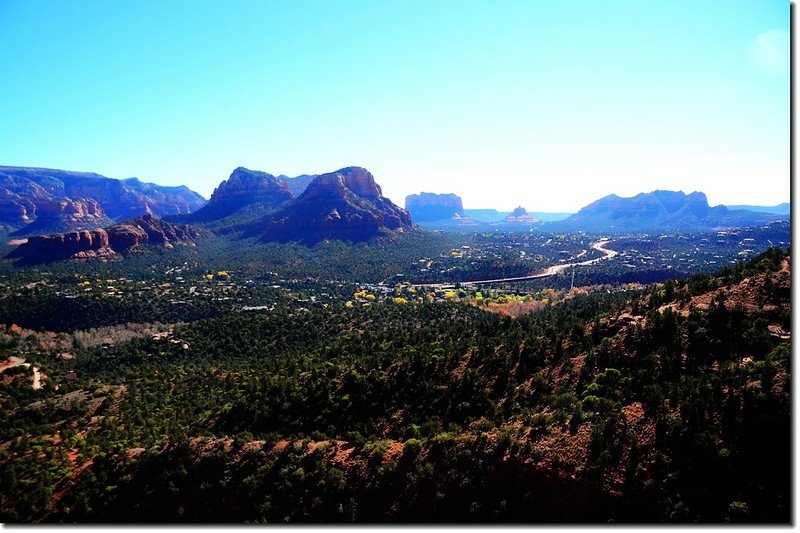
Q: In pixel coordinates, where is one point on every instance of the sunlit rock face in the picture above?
(347, 205)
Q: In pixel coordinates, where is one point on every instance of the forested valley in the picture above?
(662, 403)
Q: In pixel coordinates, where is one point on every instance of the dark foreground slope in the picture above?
(670, 405)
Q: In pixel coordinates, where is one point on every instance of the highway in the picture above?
(549, 271)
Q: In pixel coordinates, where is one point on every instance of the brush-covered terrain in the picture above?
(669, 403)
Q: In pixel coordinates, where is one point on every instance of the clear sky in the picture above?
(540, 103)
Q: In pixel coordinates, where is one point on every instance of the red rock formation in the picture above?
(243, 188)
(106, 243)
(77, 210)
(346, 204)
(151, 230)
(119, 199)
(73, 245)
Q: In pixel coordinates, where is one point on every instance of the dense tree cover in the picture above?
(160, 427)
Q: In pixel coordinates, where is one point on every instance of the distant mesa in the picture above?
(493, 215)
(104, 243)
(520, 216)
(243, 188)
(39, 200)
(345, 205)
(658, 210)
(429, 207)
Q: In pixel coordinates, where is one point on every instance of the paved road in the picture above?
(546, 273)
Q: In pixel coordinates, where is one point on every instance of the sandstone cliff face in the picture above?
(23, 202)
(426, 206)
(78, 210)
(78, 245)
(346, 204)
(104, 244)
(15, 210)
(44, 215)
(27, 193)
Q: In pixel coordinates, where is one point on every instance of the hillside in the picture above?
(668, 404)
(345, 205)
(244, 190)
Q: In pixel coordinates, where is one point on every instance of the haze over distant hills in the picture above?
(493, 215)
(659, 211)
(446, 211)
(427, 207)
(780, 209)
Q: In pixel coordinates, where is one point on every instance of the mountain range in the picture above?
(39, 200)
(658, 211)
(655, 211)
(780, 209)
(346, 204)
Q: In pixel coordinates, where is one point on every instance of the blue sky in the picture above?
(544, 104)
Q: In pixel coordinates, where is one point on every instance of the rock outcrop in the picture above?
(104, 244)
(79, 245)
(346, 205)
(427, 207)
(243, 188)
(520, 216)
(149, 230)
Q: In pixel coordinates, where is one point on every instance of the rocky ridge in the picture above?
(243, 188)
(104, 243)
(82, 199)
